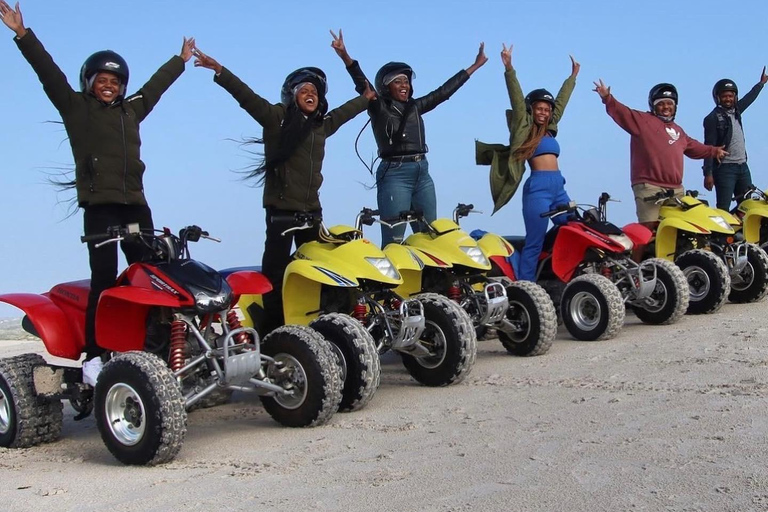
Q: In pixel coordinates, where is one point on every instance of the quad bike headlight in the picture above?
(384, 266)
(624, 240)
(475, 254)
(208, 302)
(720, 221)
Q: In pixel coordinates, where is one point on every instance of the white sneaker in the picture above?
(91, 370)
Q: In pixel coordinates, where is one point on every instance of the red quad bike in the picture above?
(174, 342)
(586, 263)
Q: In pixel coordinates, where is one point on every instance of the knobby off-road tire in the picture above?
(670, 296)
(592, 308)
(532, 310)
(755, 276)
(310, 368)
(140, 409)
(450, 336)
(358, 358)
(708, 280)
(25, 418)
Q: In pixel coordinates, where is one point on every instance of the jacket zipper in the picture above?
(125, 157)
(311, 168)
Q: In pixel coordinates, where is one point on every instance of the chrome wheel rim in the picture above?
(294, 379)
(341, 360)
(698, 282)
(519, 316)
(436, 344)
(125, 414)
(585, 311)
(5, 412)
(747, 276)
(658, 298)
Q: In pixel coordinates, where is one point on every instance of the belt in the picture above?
(405, 158)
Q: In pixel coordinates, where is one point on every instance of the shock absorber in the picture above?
(454, 293)
(359, 311)
(178, 346)
(234, 323)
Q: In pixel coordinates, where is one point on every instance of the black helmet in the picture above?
(538, 95)
(388, 72)
(726, 84)
(662, 91)
(315, 76)
(104, 61)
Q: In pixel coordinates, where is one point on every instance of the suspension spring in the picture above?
(234, 323)
(454, 293)
(178, 345)
(359, 312)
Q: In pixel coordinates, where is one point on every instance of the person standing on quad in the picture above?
(657, 146)
(402, 178)
(294, 137)
(103, 129)
(722, 127)
(533, 127)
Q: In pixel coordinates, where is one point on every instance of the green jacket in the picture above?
(104, 138)
(506, 171)
(297, 183)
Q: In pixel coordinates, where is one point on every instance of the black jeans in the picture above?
(277, 256)
(103, 261)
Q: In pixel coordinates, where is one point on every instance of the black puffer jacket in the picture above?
(387, 115)
(104, 138)
(296, 185)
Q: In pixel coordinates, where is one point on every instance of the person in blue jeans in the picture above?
(402, 178)
(722, 127)
(537, 114)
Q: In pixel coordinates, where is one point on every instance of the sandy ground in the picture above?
(669, 418)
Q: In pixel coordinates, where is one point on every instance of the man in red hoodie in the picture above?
(656, 147)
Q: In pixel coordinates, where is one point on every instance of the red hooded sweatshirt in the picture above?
(656, 148)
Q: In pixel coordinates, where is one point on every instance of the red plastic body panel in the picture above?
(639, 234)
(572, 242)
(62, 335)
(504, 265)
(247, 282)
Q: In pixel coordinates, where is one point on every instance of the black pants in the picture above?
(277, 256)
(103, 261)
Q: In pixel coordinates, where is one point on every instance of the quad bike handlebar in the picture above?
(463, 210)
(752, 192)
(162, 243)
(570, 207)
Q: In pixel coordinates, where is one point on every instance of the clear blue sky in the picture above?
(186, 139)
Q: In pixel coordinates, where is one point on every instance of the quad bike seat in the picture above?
(518, 242)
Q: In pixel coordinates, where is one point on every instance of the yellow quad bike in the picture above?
(521, 312)
(701, 241)
(343, 286)
(752, 210)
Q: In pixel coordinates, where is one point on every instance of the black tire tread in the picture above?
(547, 317)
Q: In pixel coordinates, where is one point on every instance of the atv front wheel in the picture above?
(708, 280)
(26, 419)
(139, 409)
(592, 308)
(669, 300)
(533, 315)
(305, 365)
(451, 340)
(358, 358)
(753, 282)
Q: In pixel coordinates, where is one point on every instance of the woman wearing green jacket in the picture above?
(533, 127)
(294, 146)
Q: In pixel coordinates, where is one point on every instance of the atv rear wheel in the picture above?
(708, 280)
(26, 419)
(753, 285)
(592, 308)
(139, 409)
(533, 314)
(450, 337)
(358, 358)
(669, 300)
(306, 365)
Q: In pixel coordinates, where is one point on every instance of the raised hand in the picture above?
(12, 18)
(601, 89)
(340, 48)
(204, 61)
(506, 56)
(479, 60)
(187, 49)
(575, 67)
(763, 77)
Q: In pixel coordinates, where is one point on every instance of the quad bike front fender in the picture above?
(122, 315)
(301, 290)
(666, 236)
(410, 262)
(60, 337)
(248, 282)
(752, 221)
(493, 245)
(639, 234)
(570, 247)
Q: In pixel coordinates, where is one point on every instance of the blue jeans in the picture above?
(730, 180)
(542, 191)
(404, 186)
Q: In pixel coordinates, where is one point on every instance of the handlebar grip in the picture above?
(558, 209)
(95, 238)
